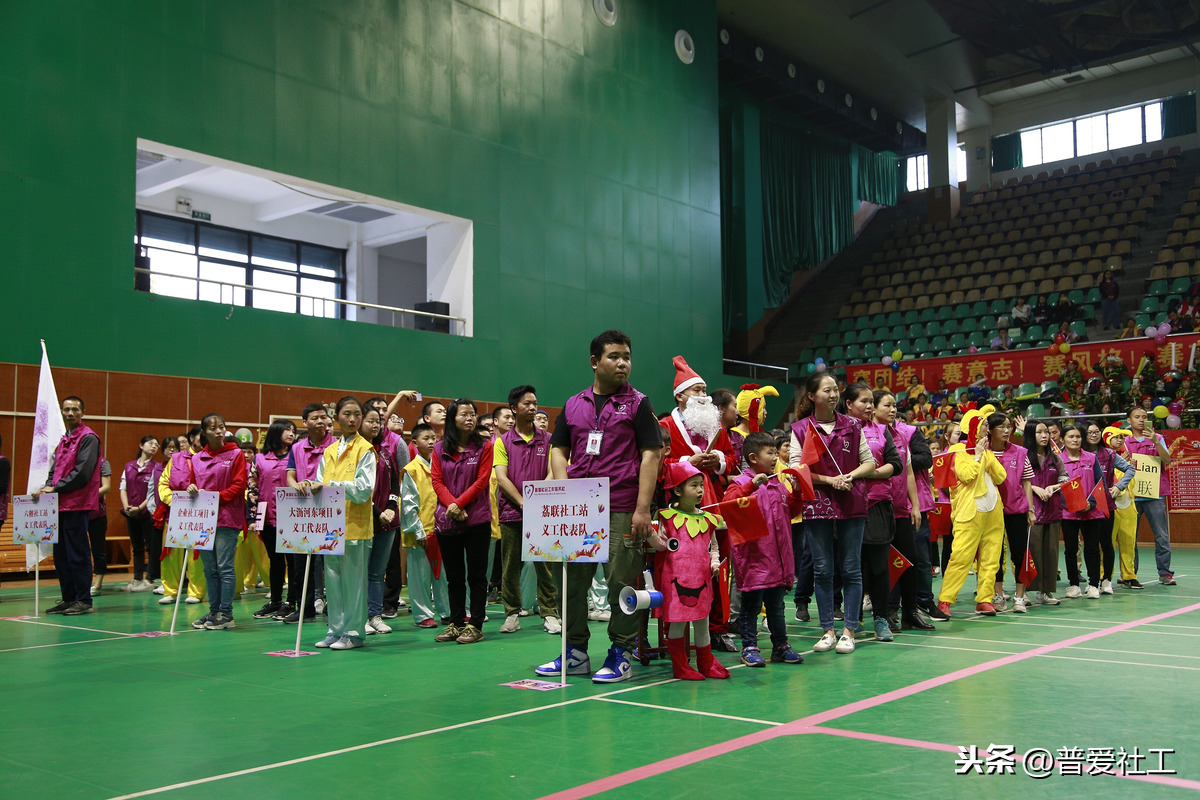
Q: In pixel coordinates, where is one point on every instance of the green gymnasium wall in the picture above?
(587, 157)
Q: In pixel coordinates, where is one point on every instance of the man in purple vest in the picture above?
(608, 430)
(302, 464)
(75, 477)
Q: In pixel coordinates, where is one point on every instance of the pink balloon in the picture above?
(972, 349)
(1164, 328)
(1175, 407)
(1173, 421)
(1161, 339)
(887, 361)
(1151, 332)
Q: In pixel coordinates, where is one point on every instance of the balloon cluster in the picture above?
(893, 360)
(1170, 411)
(1159, 334)
(816, 365)
(1060, 344)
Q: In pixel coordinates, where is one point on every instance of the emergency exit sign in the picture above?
(204, 215)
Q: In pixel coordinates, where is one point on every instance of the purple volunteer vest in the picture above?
(272, 473)
(840, 454)
(1013, 460)
(527, 461)
(901, 435)
(1081, 471)
(1047, 475)
(457, 474)
(1147, 447)
(86, 497)
(876, 491)
(137, 482)
(214, 472)
(308, 456)
(619, 459)
(1108, 464)
(385, 468)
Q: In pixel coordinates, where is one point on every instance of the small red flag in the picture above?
(1028, 570)
(944, 476)
(811, 452)
(939, 521)
(433, 552)
(803, 477)
(897, 563)
(1074, 496)
(743, 519)
(1101, 498)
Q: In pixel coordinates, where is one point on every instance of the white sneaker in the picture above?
(1019, 605)
(524, 612)
(600, 616)
(999, 602)
(191, 601)
(400, 603)
(138, 586)
(368, 630)
(377, 624)
(512, 624)
(867, 607)
(1073, 591)
(95, 591)
(1048, 599)
(826, 642)
(552, 626)
(846, 643)
(1093, 593)
(319, 605)
(1106, 587)
(166, 600)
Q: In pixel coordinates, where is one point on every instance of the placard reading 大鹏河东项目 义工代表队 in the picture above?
(311, 523)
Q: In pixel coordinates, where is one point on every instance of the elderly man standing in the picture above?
(75, 477)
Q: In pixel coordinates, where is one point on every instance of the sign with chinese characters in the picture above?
(565, 520)
(35, 518)
(193, 520)
(312, 523)
(1149, 472)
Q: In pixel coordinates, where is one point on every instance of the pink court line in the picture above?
(805, 724)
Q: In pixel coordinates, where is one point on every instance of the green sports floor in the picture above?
(92, 710)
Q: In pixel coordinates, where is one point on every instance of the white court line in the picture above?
(1128, 663)
(381, 742)
(1131, 652)
(68, 627)
(1076, 627)
(688, 711)
(64, 644)
(948, 647)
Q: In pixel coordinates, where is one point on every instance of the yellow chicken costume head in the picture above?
(752, 406)
(973, 419)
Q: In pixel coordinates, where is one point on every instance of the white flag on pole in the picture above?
(48, 428)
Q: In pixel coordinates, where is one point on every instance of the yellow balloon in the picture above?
(897, 355)
(1161, 411)
(1064, 348)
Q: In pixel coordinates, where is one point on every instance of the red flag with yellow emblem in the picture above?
(743, 518)
(1074, 496)
(897, 563)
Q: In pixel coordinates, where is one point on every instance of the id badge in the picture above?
(593, 443)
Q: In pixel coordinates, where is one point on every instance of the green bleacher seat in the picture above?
(894, 318)
(1024, 389)
(944, 353)
(1047, 385)
(836, 354)
(853, 352)
(1079, 327)
(1158, 288)
(914, 330)
(1142, 320)
(1150, 305)
(898, 332)
(928, 315)
(1034, 334)
(958, 341)
(870, 352)
(999, 307)
(1180, 285)
(1168, 300)
(1075, 296)
(933, 328)
(1035, 410)
(1087, 313)
(905, 346)
(1093, 296)
(848, 325)
(886, 348)
(975, 339)
(1052, 299)
(950, 326)
(910, 318)
(979, 308)
(963, 311)
(988, 322)
(920, 347)
(937, 343)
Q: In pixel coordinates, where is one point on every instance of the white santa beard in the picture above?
(702, 418)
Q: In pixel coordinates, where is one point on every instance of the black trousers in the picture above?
(73, 557)
(279, 567)
(465, 560)
(1093, 532)
(393, 578)
(878, 535)
(910, 580)
(97, 531)
(1016, 528)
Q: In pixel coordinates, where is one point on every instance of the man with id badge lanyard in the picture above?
(608, 430)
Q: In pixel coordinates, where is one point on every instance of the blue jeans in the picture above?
(1156, 512)
(381, 552)
(1110, 315)
(219, 572)
(752, 601)
(836, 545)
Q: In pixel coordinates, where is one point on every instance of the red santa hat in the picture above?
(678, 472)
(685, 376)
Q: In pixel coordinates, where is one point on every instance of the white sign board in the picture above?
(565, 520)
(35, 518)
(313, 523)
(193, 520)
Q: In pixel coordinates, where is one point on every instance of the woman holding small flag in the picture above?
(1049, 473)
(1017, 495)
(1124, 515)
(1083, 515)
(832, 445)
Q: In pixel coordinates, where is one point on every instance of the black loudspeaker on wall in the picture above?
(430, 324)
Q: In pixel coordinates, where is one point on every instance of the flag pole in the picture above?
(187, 554)
(563, 611)
(303, 601)
(37, 570)
(821, 439)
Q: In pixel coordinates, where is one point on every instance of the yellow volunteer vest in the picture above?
(358, 515)
(419, 470)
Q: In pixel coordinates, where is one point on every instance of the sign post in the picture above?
(35, 520)
(307, 524)
(192, 525)
(565, 521)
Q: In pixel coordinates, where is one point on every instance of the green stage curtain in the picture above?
(808, 204)
(878, 176)
(1006, 152)
(1178, 116)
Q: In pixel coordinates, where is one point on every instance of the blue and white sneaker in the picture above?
(784, 654)
(752, 657)
(616, 667)
(578, 663)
